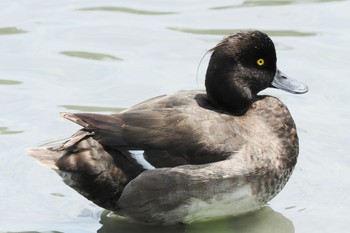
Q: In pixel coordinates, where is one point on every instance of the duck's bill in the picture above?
(281, 81)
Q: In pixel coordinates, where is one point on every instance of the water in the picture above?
(103, 56)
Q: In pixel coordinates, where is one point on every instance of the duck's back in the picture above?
(184, 128)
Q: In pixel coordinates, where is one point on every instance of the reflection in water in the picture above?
(91, 108)
(249, 3)
(265, 220)
(253, 3)
(126, 10)
(9, 82)
(89, 55)
(11, 31)
(224, 32)
(5, 130)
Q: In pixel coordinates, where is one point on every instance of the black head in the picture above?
(241, 65)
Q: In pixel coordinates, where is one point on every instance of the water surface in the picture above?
(103, 56)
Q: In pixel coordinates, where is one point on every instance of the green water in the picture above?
(103, 56)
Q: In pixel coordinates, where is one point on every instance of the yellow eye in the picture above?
(260, 62)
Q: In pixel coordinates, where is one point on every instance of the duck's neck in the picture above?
(224, 90)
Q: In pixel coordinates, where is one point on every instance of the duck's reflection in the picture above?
(265, 220)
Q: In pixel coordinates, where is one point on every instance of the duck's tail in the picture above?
(97, 172)
(44, 156)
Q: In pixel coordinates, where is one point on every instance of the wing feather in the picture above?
(176, 126)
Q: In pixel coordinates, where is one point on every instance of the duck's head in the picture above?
(242, 65)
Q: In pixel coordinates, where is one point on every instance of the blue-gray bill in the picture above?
(283, 82)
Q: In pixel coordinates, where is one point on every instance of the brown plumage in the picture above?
(222, 152)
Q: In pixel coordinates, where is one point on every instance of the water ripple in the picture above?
(11, 31)
(90, 55)
(253, 3)
(126, 10)
(9, 82)
(5, 130)
(223, 32)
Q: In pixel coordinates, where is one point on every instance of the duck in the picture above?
(225, 151)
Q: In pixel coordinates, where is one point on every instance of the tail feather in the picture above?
(97, 172)
(45, 156)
